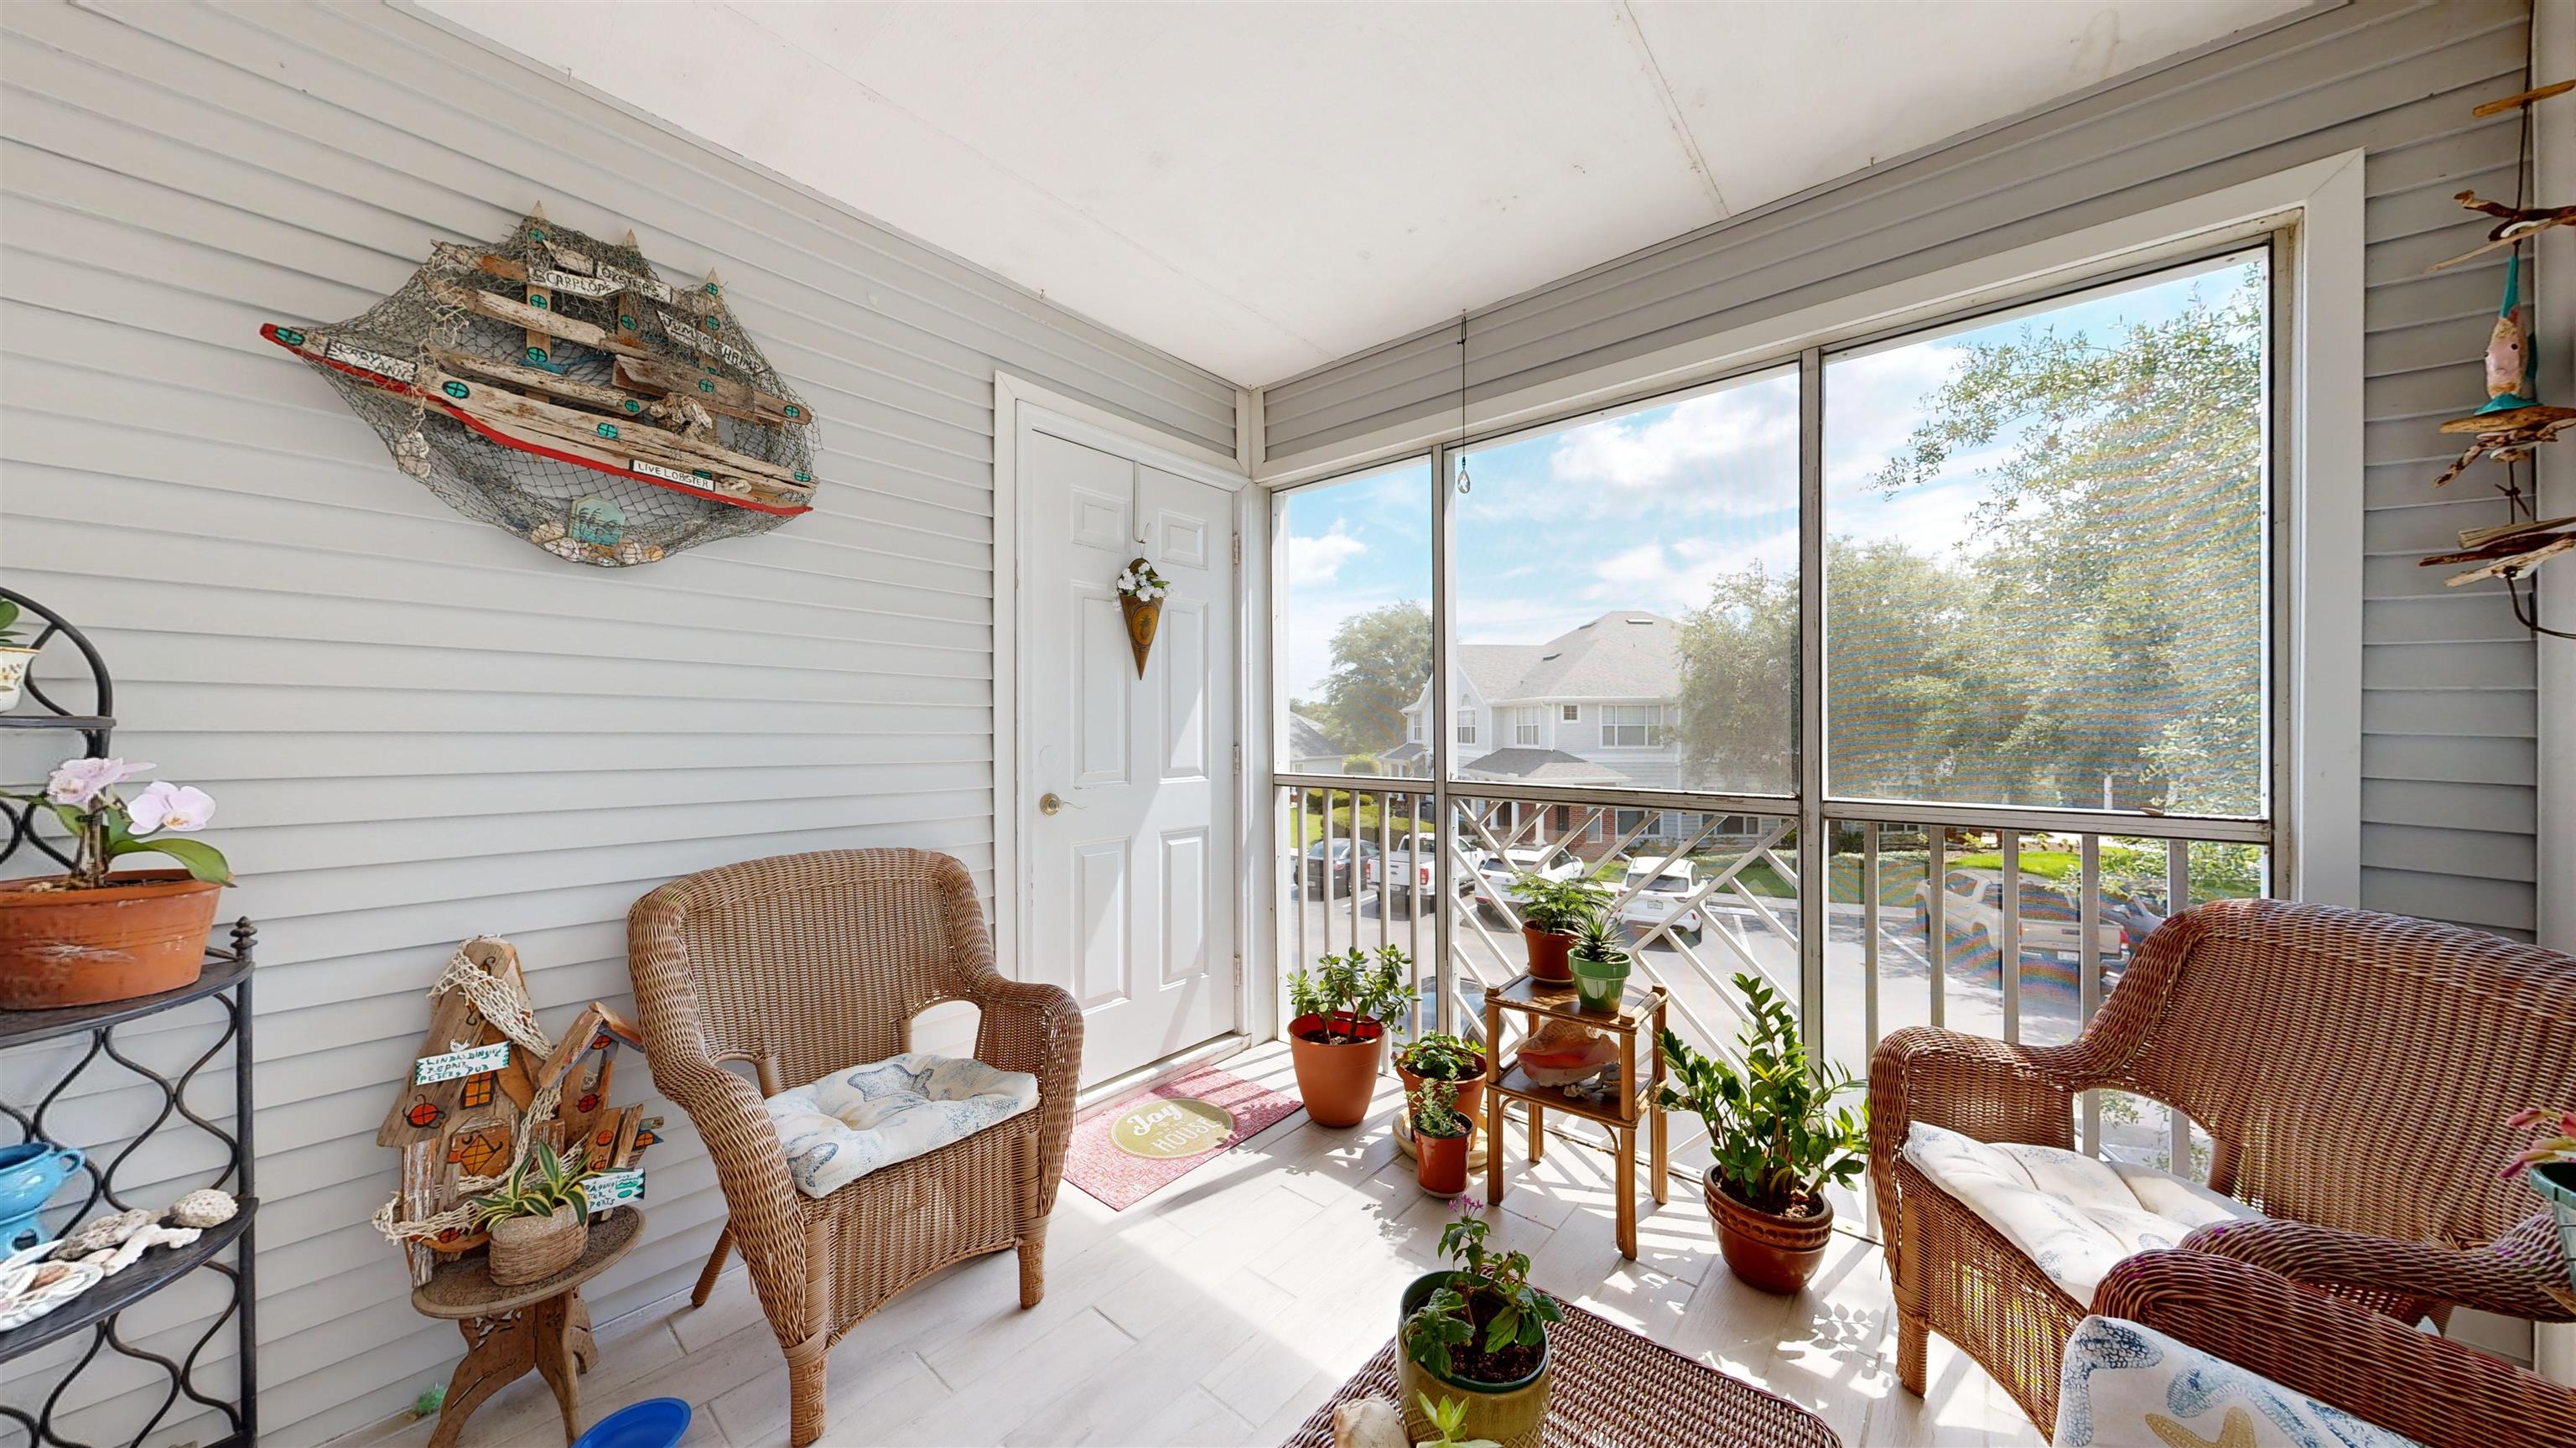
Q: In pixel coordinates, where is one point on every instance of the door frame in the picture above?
(1021, 407)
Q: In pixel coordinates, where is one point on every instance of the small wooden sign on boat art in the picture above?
(554, 385)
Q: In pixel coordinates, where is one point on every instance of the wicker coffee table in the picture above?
(1611, 1388)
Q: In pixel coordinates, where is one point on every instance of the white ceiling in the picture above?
(1261, 188)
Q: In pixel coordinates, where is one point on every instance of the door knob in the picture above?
(1050, 804)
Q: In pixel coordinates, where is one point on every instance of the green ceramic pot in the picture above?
(1513, 1414)
(1600, 983)
(2556, 1183)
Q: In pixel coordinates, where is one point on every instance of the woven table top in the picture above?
(1610, 1388)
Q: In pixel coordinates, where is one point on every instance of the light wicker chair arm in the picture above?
(2520, 1274)
(1034, 1027)
(1976, 1085)
(2436, 1391)
(751, 1166)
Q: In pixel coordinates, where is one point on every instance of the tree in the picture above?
(1380, 659)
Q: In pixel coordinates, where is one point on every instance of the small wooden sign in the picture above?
(555, 281)
(609, 1188)
(367, 360)
(454, 1065)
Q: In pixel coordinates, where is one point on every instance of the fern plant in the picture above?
(541, 1184)
(1559, 907)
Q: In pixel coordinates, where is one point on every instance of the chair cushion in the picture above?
(2123, 1383)
(2071, 1214)
(852, 1122)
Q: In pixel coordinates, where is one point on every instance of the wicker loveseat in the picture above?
(2353, 1072)
(803, 965)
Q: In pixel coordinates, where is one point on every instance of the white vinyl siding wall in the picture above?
(417, 727)
(2448, 705)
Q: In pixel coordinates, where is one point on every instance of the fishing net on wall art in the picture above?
(553, 384)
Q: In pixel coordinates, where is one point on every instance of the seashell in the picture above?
(545, 533)
(104, 1233)
(411, 453)
(571, 548)
(203, 1208)
(633, 553)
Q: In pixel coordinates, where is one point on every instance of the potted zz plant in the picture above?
(539, 1217)
(1337, 1031)
(1553, 913)
(90, 936)
(1439, 1056)
(2551, 1166)
(1440, 1138)
(1475, 1334)
(1777, 1146)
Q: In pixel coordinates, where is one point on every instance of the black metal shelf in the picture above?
(57, 721)
(150, 1273)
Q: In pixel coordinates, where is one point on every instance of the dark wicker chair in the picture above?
(2353, 1071)
(805, 964)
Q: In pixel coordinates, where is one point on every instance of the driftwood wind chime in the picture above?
(487, 1087)
(2514, 422)
(552, 384)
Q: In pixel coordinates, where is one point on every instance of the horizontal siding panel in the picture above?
(2500, 905)
(420, 729)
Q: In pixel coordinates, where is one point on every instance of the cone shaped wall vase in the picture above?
(1143, 618)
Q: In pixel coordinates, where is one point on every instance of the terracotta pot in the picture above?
(1549, 955)
(1511, 1414)
(530, 1249)
(1336, 1082)
(1471, 1092)
(1440, 1162)
(141, 935)
(1774, 1253)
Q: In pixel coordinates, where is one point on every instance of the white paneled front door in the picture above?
(1128, 786)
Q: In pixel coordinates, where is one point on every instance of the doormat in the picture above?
(1127, 1150)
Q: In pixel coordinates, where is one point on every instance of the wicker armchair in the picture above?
(2438, 1392)
(805, 964)
(2353, 1071)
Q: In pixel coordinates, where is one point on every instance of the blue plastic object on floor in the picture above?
(653, 1423)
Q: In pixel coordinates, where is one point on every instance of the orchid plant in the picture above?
(105, 826)
(1141, 583)
(2557, 1142)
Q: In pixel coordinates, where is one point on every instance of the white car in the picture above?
(1656, 890)
(1500, 871)
(2048, 917)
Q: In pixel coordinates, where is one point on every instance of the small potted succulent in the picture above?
(539, 1217)
(1776, 1143)
(15, 657)
(1448, 1419)
(1440, 1138)
(1438, 1056)
(1601, 963)
(1476, 1333)
(1553, 913)
(2549, 1164)
(1337, 1029)
(89, 936)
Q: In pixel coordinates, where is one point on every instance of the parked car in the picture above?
(1500, 871)
(1413, 864)
(2050, 923)
(1660, 887)
(1343, 852)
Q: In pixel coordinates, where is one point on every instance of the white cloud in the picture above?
(1318, 560)
(1715, 433)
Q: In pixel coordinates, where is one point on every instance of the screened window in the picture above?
(1466, 726)
(1354, 640)
(1527, 727)
(1573, 713)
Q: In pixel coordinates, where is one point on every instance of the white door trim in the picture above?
(1020, 406)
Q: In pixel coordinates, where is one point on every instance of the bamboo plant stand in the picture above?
(1640, 1015)
(544, 1326)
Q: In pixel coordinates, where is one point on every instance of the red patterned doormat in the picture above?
(1131, 1148)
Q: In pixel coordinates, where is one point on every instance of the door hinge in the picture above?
(1238, 547)
(1238, 759)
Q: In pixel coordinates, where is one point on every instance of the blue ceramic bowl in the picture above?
(653, 1423)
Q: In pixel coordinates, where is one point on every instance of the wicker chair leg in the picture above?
(807, 1359)
(715, 1265)
(1033, 1262)
(1913, 1342)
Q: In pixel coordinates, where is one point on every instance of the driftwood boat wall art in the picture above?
(554, 385)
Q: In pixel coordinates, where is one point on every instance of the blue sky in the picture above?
(1646, 509)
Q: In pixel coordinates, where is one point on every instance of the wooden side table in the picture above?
(508, 1330)
(1641, 1012)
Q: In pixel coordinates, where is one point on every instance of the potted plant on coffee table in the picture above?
(1441, 1136)
(2551, 1167)
(1439, 1056)
(89, 936)
(1476, 1333)
(1337, 1031)
(1553, 913)
(1776, 1141)
(539, 1217)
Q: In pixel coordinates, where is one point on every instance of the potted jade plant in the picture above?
(1438, 1056)
(1337, 1029)
(1601, 962)
(1777, 1145)
(1440, 1138)
(539, 1217)
(90, 936)
(15, 657)
(2550, 1166)
(1475, 1334)
(1553, 913)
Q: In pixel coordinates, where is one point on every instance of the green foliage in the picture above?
(1439, 1056)
(429, 1402)
(1604, 938)
(9, 625)
(1380, 659)
(1519, 1313)
(1559, 907)
(1349, 988)
(1448, 1419)
(541, 1183)
(1775, 1141)
(1435, 1110)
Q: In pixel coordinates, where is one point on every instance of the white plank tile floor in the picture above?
(1222, 1309)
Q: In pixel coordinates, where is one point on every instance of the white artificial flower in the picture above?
(179, 808)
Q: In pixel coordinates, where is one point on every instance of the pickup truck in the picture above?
(1501, 870)
(1412, 861)
(1660, 887)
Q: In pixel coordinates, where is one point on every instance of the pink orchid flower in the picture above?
(178, 808)
(80, 781)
